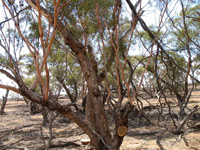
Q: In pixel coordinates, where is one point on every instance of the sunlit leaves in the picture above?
(179, 34)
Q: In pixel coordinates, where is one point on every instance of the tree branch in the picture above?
(10, 88)
(8, 75)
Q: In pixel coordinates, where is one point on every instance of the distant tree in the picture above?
(172, 64)
(4, 101)
(183, 39)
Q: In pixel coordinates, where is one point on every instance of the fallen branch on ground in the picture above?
(14, 130)
(187, 118)
(61, 145)
(9, 145)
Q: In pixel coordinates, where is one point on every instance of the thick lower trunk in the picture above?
(99, 123)
(115, 145)
(96, 116)
(100, 146)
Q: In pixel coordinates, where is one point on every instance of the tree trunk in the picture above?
(34, 108)
(181, 102)
(97, 118)
(44, 113)
(97, 126)
(3, 105)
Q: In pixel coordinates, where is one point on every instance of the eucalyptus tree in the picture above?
(75, 44)
(82, 31)
(176, 47)
(183, 40)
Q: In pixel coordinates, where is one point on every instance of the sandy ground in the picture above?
(21, 130)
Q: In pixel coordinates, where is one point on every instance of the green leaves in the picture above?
(3, 61)
(34, 29)
(179, 35)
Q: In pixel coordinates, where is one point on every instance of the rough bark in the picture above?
(34, 108)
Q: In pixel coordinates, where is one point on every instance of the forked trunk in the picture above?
(98, 121)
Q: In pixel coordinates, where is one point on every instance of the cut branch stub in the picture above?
(122, 130)
(85, 141)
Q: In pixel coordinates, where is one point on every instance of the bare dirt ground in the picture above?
(21, 130)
